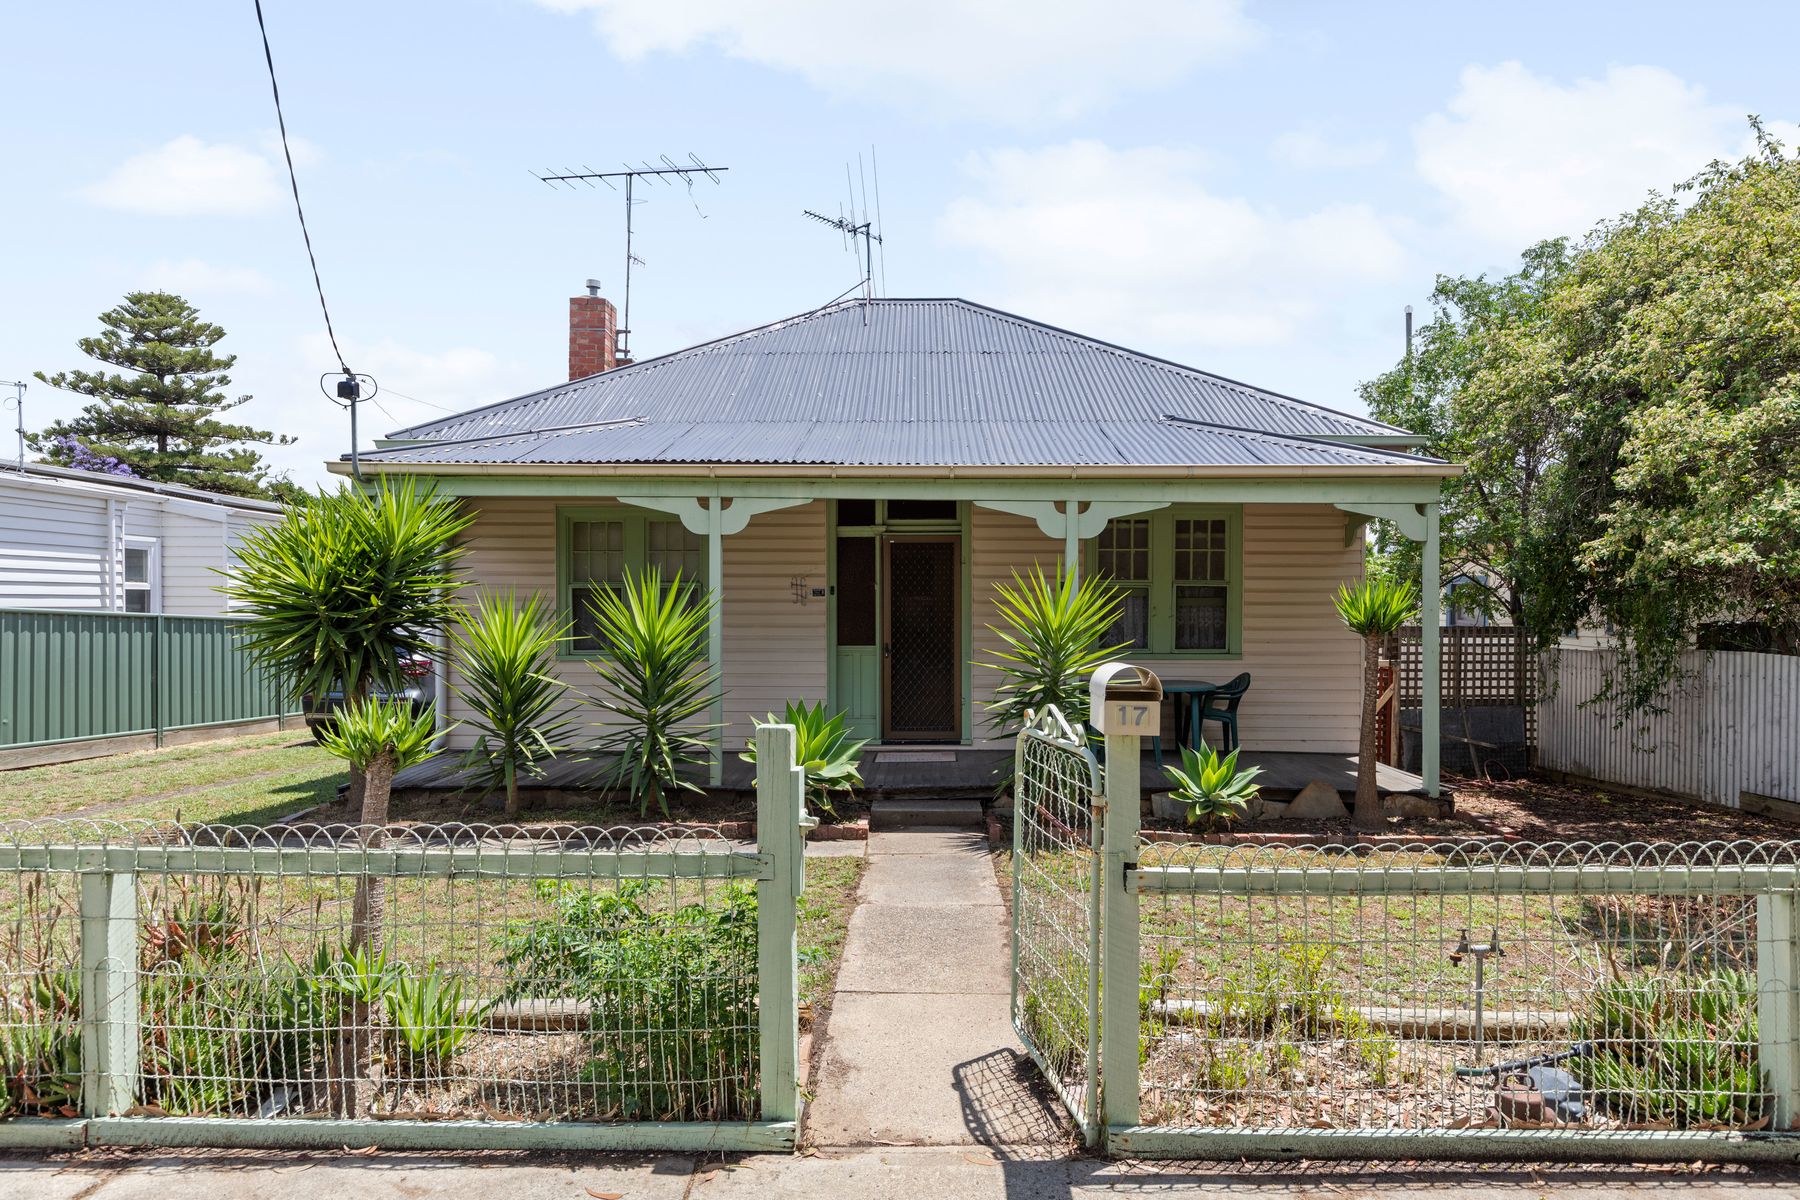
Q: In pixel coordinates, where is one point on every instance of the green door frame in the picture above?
(961, 527)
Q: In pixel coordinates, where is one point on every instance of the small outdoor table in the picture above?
(1194, 694)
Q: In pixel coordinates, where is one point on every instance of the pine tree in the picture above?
(157, 412)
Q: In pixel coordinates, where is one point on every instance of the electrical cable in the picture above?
(294, 183)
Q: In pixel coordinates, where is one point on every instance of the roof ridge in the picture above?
(1323, 443)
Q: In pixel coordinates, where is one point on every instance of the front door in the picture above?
(921, 668)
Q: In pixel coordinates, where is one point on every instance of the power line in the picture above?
(294, 183)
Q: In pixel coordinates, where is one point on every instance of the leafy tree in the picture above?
(156, 411)
(1698, 335)
(1460, 389)
(1629, 410)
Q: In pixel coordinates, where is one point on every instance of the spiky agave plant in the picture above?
(1053, 635)
(1373, 609)
(652, 661)
(505, 656)
(829, 756)
(1216, 790)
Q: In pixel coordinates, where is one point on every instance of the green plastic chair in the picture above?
(1222, 706)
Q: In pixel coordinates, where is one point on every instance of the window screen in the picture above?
(856, 591)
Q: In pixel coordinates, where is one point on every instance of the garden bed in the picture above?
(1539, 810)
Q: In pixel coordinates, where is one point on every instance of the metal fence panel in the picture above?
(450, 986)
(1474, 999)
(74, 676)
(1056, 910)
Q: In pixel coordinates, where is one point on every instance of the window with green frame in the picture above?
(1180, 571)
(595, 547)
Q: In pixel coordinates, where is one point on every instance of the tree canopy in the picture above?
(156, 413)
(1628, 407)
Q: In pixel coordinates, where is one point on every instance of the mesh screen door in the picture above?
(922, 671)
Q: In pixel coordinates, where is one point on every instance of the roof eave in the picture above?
(1440, 470)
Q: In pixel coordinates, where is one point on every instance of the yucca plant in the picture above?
(430, 1018)
(505, 656)
(1373, 609)
(379, 738)
(828, 755)
(1215, 790)
(652, 639)
(346, 587)
(1054, 635)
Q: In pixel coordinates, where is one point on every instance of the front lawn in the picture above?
(239, 781)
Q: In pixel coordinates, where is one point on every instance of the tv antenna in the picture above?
(686, 172)
(18, 402)
(848, 224)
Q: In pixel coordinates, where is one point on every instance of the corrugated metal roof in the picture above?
(901, 383)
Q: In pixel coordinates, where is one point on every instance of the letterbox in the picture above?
(1123, 698)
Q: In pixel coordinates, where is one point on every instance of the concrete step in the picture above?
(905, 813)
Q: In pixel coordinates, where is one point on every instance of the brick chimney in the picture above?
(593, 331)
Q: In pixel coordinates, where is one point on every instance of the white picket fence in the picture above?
(1731, 727)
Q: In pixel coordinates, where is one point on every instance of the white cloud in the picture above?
(192, 275)
(1007, 59)
(1135, 245)
(1521, 157)
(1312, 151)
(190, 178)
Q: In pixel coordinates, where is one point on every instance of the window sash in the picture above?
(1181, 569)
(596, 547)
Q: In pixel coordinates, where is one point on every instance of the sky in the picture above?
(1255, 189)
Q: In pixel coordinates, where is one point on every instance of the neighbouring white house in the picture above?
(81, 540)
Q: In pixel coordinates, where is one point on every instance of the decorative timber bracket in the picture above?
(1410, 519)
(1053, 517)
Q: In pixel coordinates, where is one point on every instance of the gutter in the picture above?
(715, 471)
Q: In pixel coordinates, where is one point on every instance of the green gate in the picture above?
(1056, 910)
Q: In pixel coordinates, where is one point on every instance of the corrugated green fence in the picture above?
(74, 676)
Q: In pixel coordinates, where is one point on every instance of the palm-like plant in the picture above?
(347, 586)
(505, 656)
(1054, 638)
(1373, 609)
(1214, 789)
(652, 660)
(828, 755)
(378, 738)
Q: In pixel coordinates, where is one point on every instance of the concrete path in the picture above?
(919, 1050)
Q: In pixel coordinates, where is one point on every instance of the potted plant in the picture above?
(1210, 791)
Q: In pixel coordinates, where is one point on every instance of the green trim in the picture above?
(1162, 578)
(963, 527)
(1482, 1145)
(637, 523)
(1304, 490)
(230, 1132)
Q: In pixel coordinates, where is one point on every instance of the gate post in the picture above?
(1778, 1002)
(110, 1062)
(781, 824)
(1124, 710)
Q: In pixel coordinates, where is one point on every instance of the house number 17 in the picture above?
(1127, 716)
